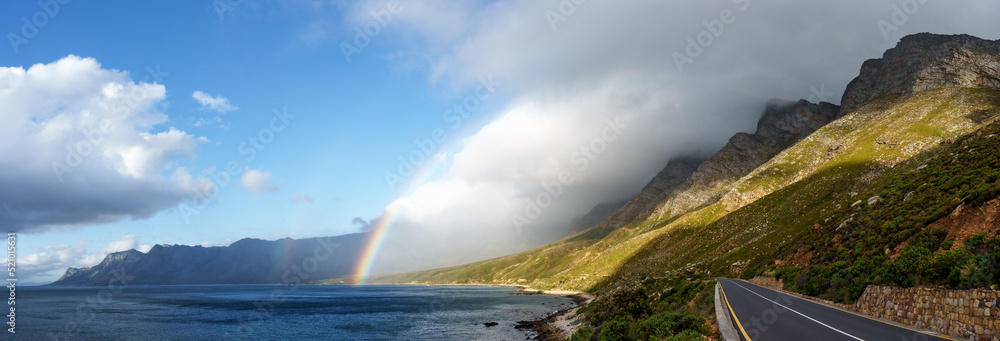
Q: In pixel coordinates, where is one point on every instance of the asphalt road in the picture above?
(764, 314)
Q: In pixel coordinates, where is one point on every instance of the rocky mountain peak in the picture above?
(782, 124)
(785, 120)
(926, 61)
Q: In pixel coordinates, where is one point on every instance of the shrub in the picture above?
(616, 330)
(583, 334)
(670, 324)
(687, 335)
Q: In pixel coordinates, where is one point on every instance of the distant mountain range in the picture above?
(247, 261)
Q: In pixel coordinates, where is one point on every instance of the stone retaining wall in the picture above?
(768, 282)
(964, 313)
(973, 314)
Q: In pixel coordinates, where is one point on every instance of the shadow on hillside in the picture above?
(689, 249)
(783, 223)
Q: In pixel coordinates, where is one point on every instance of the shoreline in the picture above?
(558, 325)
(561, 324)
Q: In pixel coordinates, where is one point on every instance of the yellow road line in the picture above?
(738, 324)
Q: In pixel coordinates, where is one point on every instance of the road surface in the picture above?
(763, 314)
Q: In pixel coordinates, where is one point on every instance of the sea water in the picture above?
(277, 312)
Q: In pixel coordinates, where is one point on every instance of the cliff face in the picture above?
(641, 205)
(248, 261)
(781, 125)
(926, 61)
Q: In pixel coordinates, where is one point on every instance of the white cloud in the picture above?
(217, 103)
(256, 181)
(80, 145)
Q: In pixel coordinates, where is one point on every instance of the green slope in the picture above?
(775, 204)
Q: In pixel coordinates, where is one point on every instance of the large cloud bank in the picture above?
(82, 145)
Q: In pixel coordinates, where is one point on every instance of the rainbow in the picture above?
(372, 246)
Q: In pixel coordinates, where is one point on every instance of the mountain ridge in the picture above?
(862, 144)
(246, 261)
(926, 61)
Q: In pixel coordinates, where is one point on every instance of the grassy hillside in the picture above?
(811, 182)
(820, 176)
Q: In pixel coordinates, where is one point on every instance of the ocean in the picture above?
(277, 312)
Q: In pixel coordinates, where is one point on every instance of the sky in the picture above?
(481, 128)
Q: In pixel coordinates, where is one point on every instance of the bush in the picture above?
(670, 324)
(583, 334)
(976, 241)
(947, 244)
(988, 271)
(687, 335)
(616, 330)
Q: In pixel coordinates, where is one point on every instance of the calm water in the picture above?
(265, 312)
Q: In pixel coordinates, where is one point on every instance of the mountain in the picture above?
(686, 182)
(764, 194)
(595, 216)
(923, 62)
(781, 125)
(247, 261)
(902, 188)
(673, 174)
(581, 262)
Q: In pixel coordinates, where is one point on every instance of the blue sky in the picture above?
(352, 118)
(561, 73)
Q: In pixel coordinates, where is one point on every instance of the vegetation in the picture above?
(654, 309)
(893, 242)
